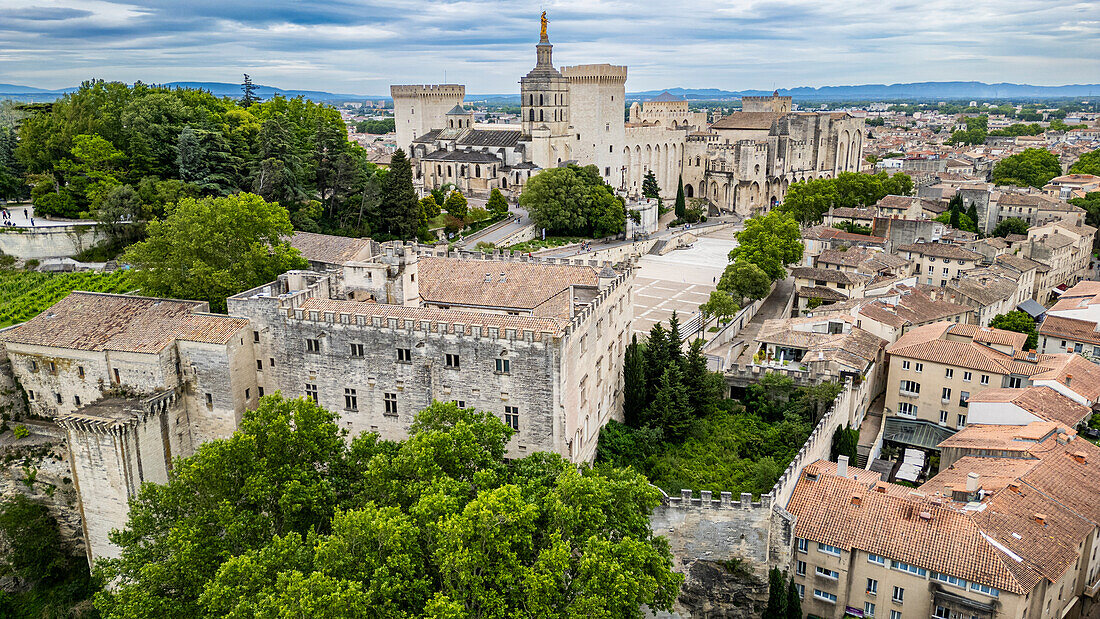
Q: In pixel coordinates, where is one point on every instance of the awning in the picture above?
(923, 434)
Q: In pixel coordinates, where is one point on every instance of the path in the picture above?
(21, 214)
(573, 250)
(679, 281)
(772, 308)
(495, 235)
(869, 429)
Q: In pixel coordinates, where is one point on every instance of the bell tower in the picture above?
(544, 92)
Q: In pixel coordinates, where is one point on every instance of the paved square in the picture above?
(681, 280)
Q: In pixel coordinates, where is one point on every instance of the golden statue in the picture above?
(544, 22)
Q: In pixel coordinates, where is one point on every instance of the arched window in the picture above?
(438, 169)
(477, 171)
(448, 170)
(540, 115)
(540, 100)
(532, 115)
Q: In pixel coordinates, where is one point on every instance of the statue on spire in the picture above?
(545, 21)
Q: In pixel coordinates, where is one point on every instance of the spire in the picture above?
(543, 38)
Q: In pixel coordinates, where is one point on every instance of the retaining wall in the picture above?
(49, 242)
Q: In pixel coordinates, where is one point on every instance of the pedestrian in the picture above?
(32, 222)
(24, 213)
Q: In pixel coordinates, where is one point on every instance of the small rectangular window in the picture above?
(872, 586)
(404, 355)
(118, 379)
(80, 370)
(827, 549)
(260, 391)
(391, 404)
(803, 544)
(876, 559)
(247, 393)
(949, 373)
(967, 376)
(311, 392)
(271, 362)
(34, 365)
(919, 367)
(356, 349)
(452, 361)
(76, 400)
(899, 594)
(260, 365)
(511, 417)
(313, 345)
(827, 573)
(256, 336)
(868, 609)
(985, 379)
(460, 403)
(943, 417)
(825, 596)
(504, 366)
(961, 422)
(30, 394)
(946, 395)
(210, 399)
(800, 568)
(905, 365)
(53, 367)
(895, 614)
(351, 402)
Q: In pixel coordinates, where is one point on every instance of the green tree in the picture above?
(845, 443)
(634, 384)
(249, 91)
(656, 359)
(808, 201)
(972, 213)
(794, 603)
(681, 202)
(496, 204)
(770, 241)
(650, 189)
(1089, 163)
(287, 519)
(12, 186)
(212, 248)
(400, 211)
(456, 205)
(1034, 167)
(1020, 322)
(671, 408)
(1012, 225)
(675, 341)
(962, 221)
(573, 201)
(1091, 204)
(720, 305)
(777, 595)
(704, 388)
(744, 280)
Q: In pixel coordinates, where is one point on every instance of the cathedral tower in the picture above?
(544, 94)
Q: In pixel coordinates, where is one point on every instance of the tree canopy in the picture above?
(573, 201)
(1020, 322)
(975, 132)
(1089, 163)
(1012, 225)
(770, 241)
(808, 201)
(1034, 167)
(211, 248)
(285, 519)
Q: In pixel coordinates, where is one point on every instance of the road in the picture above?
(494, 236)
(573, 250)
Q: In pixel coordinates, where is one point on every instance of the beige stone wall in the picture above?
(597, 95)
(933, 379)
(659, 149)
(419, 109)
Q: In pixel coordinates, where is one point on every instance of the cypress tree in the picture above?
(670, 409)
(972, 213)
(650, 188)
(777, 595)
(704, 389)
(675, 342)
(634, 384)
(400, 208)
(681, 203)
(794, 604)
(656, 359)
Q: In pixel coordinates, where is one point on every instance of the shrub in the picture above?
(21, 431)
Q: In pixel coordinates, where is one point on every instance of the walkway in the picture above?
(772, 308)
(679, 281)
(495, 235)
(869, 429)
(22, 214)
(570, 251)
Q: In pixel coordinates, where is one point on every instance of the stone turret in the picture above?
(544, 93)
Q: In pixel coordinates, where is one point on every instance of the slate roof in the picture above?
(97, 321)
(746, 120)
(829, 275)
(490, 137)
(455, 281)
(461, 156)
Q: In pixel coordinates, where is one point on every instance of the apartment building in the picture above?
(935, 264)
(1065, 250)
(827, 285)
(988, 537)
(905, 307)
(1073, 323)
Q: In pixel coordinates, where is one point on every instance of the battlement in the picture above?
(489, 326)
(118, 415)
(427, 90)
(597, 73)
(706, 500)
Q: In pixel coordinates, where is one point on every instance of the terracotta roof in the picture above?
(855, 349)
(941, 250)
(914, 307)
(990, 335)
(1070, 329)
(1085, 374)
(1002, 438)
(746, 120)
(829, 275)
(993, 474)
(829, 233)
(932, 343)
(527, 285)
(100, 321)
(331, 249)
(1043, 402)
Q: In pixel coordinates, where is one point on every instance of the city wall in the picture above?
(49, 242)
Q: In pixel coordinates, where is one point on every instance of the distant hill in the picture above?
(886, 92)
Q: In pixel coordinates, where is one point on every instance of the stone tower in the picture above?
(419, 109)
(544, 95)
(597, 98)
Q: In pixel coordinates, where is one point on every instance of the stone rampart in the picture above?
(49, 242)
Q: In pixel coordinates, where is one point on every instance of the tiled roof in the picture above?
(331, 249)
(990, 335)
(450, 316)
(941, 250)
(1018, 263)
(1043, 402)
(1085, 375)
(821, 292)
(829, 233)
(853, 213)
(746, 120)
(526, 285)
(829, 275)
(100, 321)
(993, 474)
(1002, 438)
(490, 137)
(1070, 329)
(855, 349)
(930, 343)
(913, 308)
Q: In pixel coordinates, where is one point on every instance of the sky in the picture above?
(361, 47)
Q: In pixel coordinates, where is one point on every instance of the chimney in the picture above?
(1041, 519)
(842, 466)
(1080, 457)
(489, 277)
(971, 483)
(1069, 377)
(503, 276)
(925, 515)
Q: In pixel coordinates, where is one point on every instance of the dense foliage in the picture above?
(770, 242)
(1020, 322)
(1012, 225)
(1034, 167)
(159, 141)
(975, 132)
(573, 200)
(957, 218)
(211, 248)
(378, 127)
(287, 519)
(808, 201)
(25, 294)
(1089, 163)
(55, 574)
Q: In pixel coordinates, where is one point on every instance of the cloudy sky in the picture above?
(363, 46)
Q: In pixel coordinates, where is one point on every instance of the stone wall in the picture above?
(49, 242)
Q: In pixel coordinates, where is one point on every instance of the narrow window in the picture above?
(118, 379)
(311, 392)
(356, 350)
(210, 399)
(404, 355)
(511, 417)
(260, 391)
(351, 402)
(391, 404)
(76, 400)
(313, 345)
(452, 361)
(504, 366)
(271, 362)
(256, 336)
(248, 394)
(260, 365)
(80, 369)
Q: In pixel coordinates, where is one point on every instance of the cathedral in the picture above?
(741, 163)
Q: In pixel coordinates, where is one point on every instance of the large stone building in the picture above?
(741, 163)
(375, 332)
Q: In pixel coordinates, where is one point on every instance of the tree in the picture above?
(428, 209)
(681, 203)
(249, 91)
(496, 204)
(656, 359)
(963, 221)
(212, 248)
(794, 603)
(1091, 204)
(650, 189)
(675, 341)
(808, 201)
(721, 305)
(777, 595)
(770, 241)
(634, 384)
(845, 443)
(12, 186)
(286, 518)
(456, 205)
(400, 210)
(972, 214)
(953, 216)
(1020, 322)
(704, 388)
(1012, 225)
(1034, 167)
(573, 200)
(1089, 163)
(671, 408)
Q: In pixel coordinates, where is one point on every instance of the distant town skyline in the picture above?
(362, 47)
